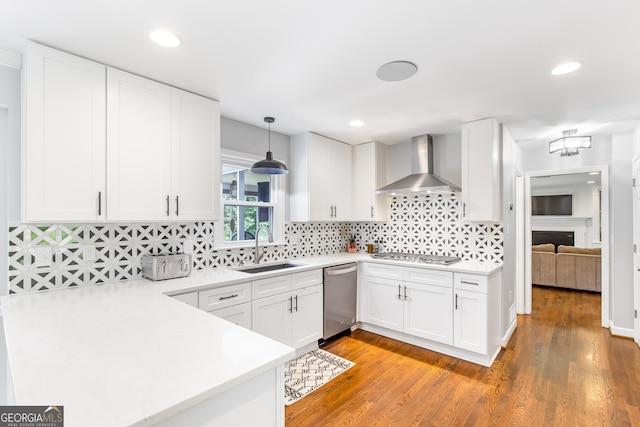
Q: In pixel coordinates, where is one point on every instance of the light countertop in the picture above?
(134, 355)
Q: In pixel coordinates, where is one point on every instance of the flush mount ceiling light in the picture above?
(269, 166)
(356, 123)
(566, 68)
(396, 71)
(569, 144)
(164, 38)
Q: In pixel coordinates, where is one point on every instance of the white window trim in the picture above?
(237, 158)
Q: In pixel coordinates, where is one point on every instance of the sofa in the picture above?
(570, 267)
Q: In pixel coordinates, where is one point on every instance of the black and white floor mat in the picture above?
(309, 371)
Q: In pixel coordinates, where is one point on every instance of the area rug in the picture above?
(310, 371)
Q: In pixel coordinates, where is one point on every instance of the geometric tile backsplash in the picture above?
(417, 223)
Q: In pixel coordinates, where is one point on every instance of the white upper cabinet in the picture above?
(481, 171)
(102, 144)
(163, 151)
(321, 171)
(369, 174)
(195, 157)
(64, 142)
(138, 148)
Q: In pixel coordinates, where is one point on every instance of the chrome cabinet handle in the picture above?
(99, 203)
(469, 283)
(335, 211)
(296, 297)
(405, 293)
(399, 296)
(371, 211)
(290, 304)
(177, 209)
(229, 297)
(167, 205)
(464, 209)
(456, 301)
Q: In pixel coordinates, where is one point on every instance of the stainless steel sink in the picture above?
(268, 267)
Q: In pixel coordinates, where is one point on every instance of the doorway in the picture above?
(601, 227)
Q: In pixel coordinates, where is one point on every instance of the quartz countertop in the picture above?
(126, 353)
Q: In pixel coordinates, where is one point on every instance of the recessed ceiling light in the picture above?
(164, 38)
(591, 182)
(594, 173)
(565, 68)
(396, 71)
(356, 123)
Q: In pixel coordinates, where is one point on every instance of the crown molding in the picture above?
(10, 59)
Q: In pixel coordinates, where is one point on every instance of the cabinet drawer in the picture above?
(429, 277)
(239, 314)
(470, 282)
(306, 278)
(271, 286)
(215, 299)
(383, 271)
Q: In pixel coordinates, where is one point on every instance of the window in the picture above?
(248, 201)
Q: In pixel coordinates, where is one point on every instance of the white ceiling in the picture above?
(312, 65)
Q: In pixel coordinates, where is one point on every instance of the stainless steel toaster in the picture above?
(170, 266)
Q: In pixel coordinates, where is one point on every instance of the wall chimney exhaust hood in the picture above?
(422, 178)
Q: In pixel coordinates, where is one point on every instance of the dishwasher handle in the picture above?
(341, 271)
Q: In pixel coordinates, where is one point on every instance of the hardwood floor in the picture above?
(559, 369)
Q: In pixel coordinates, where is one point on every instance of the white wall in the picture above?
(10, 109)
(510, 155)
(615, 151)
(620, 236)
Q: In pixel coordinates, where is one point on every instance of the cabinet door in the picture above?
(428, 312)
(320, 179)
(138, 148)
(239, 314)
(382, 302)
(271, 317)
(306, 326)
(339, 185)
(64, 146)
(195, 157)
(470, 321)
(481, 171)
(369, 174)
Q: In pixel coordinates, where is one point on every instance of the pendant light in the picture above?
(269, 166)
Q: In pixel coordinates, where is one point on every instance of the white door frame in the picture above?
(604, 177)
(520, 243)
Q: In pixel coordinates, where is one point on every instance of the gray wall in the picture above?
(238, 136)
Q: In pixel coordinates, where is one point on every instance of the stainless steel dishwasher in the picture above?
(340, 283)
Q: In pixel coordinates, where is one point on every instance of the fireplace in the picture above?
(556, 237)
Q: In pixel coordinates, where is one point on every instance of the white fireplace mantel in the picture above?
(579, 225)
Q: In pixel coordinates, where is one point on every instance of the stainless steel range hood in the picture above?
(422, 178)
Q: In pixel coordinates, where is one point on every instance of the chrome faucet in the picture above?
(258, 255)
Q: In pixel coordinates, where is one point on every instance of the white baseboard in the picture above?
(621, 332)
(507, 336)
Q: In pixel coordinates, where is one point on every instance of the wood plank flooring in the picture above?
(559, 369)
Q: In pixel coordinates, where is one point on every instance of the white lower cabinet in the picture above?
(293, 318)
(453, 313)
(239, 314)
(428, 312)
(382, 305)
(470, 326)
(421, 308)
